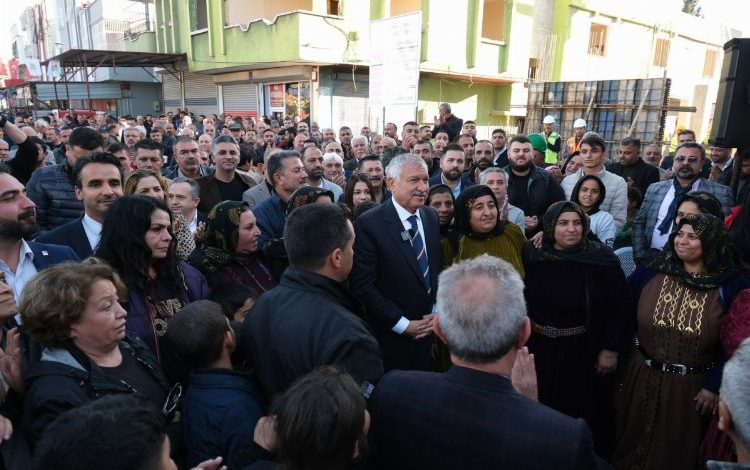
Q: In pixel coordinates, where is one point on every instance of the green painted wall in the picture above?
(561, 27)
(471, 102)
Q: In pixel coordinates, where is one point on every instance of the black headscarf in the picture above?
(718, 254)
(707, 202)
(602, 192)
(462, 213)
(220, 238)
(307, 195)
(586, 252)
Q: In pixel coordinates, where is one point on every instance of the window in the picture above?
(493, 20)
(333, 7)
(598, 39)
(199, 15)
(661, 53)
(709, 65)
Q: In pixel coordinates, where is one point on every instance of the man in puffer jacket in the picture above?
(52, 188)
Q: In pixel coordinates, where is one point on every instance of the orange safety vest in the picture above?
(573, 146)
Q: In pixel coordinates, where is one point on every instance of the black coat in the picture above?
(387, 278)
(303, 323)
(543, 192)
(66, 378)
(642, 174)
(452, 126)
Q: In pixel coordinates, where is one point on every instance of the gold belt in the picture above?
(552, 332)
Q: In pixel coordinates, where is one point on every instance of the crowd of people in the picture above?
(207, 292)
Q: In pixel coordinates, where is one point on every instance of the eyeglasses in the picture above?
(689, 160)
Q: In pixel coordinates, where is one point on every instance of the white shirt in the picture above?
(657, 239)
(404, 215)
(24, 272)
(93, 231)
(194, 222)
(727, 163)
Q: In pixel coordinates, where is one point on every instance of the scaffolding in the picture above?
(614, 109)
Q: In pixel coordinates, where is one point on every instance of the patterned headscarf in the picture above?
(587, 251)
(707, 202)
(718, 254)
(462, 212)
(220, 238)
(307, 195)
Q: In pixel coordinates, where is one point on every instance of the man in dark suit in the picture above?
(184, 197)
(447, 122)
(225, 184)
(396, 265)
(98, 183)
(452, 170)
(482, 412)
(499, 145)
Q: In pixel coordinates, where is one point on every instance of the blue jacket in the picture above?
(220, 411)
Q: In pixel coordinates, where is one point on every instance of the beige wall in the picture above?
(244, 11)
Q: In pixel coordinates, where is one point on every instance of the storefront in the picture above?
(287, 99)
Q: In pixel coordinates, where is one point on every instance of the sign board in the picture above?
(53, 69)
(276, 97)
(395, 46)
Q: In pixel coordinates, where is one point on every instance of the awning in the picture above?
(45, 91)
(96, 58)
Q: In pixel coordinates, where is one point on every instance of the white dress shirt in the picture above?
(93, 231)
(404, 215)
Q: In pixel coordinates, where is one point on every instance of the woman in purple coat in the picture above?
(138, 242)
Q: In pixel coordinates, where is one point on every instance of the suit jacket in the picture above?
(46, 255)
(71, 235)
(387, 278)
(466, 180)
(257, 194)
(452, 126)
(645, 220)
(466, 418)
(210, 195)
(501, 159)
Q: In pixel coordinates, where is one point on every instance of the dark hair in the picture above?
(362, 208)
(96, 157)
(631, 141)
(452, 146)
(410, 123)
(692, 145)
(116, 147)
(319, 420)
(372, 157)
(247, 154)
(520, 138)
(38, 141)
(593, 140)
(123, 243)
(181, 139)
(577, 189)
(739, 233)
(85, 138)
(635, 194)
(568, 160)
(439, 189)
(231, 297)
(197, 333)
(123, 431)
(276, 162)
(304, 224)
(470, 122)
(459, 137)
(349, 190)
(147, 144)
(686, 131)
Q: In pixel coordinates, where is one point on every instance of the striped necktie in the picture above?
(417, 244)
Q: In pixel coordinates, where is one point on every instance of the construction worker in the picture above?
(579, 128)
(553, 140)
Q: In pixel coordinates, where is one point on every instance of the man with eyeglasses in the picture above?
(225, 184)
(653, 224)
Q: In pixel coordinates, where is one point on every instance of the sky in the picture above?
(730, 12)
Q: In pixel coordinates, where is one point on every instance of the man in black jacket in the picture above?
(530, 189)
(631, 166)
(447, 122)
(307, 321)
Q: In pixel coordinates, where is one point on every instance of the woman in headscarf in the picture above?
(479, 230)
(581, 315)
(440, 197)
(229, 249)
(589, 193)
(670, 385)
(309, 195)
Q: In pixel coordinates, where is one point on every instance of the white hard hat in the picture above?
(548, 120)
(579, 123)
